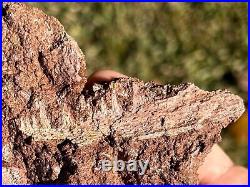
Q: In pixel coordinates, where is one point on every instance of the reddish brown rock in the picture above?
(54, 132)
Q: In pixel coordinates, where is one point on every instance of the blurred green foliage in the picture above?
(203, 43)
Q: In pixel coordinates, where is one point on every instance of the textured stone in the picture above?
(54, 131)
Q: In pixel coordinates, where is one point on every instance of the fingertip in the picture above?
(215, 164)
(103, 76)
(236, 175)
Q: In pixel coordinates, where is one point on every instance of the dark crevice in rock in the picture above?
(43, 165)
(6, 14)
(174, 164)
(28, 140)
(46, 71)
(31, 99)
(69, 167)
(4, 10)
(64, 91)
(110, 139)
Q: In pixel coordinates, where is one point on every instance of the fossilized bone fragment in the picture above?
(54, 131)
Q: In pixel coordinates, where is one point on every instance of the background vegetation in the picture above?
(203, 43)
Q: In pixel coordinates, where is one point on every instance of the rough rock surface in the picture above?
(56, 132)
